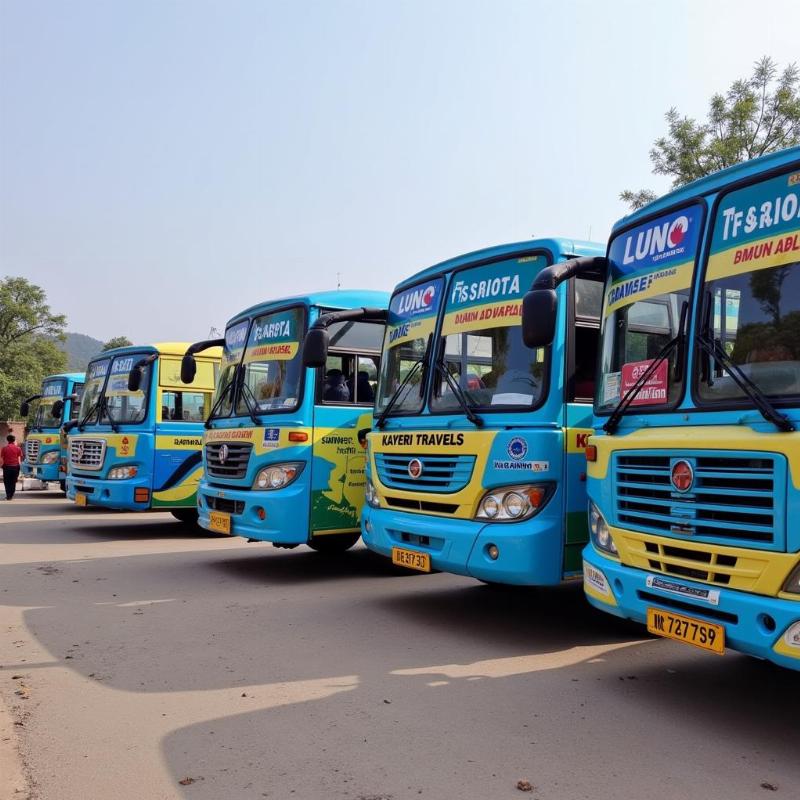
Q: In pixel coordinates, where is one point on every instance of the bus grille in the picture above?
(732, 500)
(87, 453)
(230, 462)
(32, 447)
(444, 474)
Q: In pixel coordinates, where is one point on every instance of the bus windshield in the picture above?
(751, 294)
(646, 297)
(123, 406)
(235, 339)
(411, 321)
(272, 365)
(51, 391)
(96, 374)
(481, 346)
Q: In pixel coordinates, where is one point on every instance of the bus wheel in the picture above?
(188, 516)
(334, 543)
(63, 485)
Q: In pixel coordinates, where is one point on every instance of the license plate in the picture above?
(81, 499)
(219, 521)
(412, 559)
(704, 635)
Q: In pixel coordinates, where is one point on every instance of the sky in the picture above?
(165, 164)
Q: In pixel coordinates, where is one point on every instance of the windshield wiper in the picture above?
(458, 393)
(381, 421)
(222, 395)
(251, 409)
(612, 423)
(95, 407)
(104, 408)
(712, 348)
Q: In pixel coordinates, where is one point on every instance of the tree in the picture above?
(756, 116)
(29, 338)
(117, 341)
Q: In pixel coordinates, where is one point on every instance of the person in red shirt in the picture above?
(11, 455)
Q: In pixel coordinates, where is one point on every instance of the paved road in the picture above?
(137, 656)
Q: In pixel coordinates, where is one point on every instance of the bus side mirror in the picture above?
(58, 407)
(24, 408)
(539, 317)
(135, 378)
(315, 348)
(188, 368)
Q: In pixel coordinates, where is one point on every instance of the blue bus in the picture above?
(476, 461)
(136, 445)
(283, 460)
(58, 403)
(694, 469)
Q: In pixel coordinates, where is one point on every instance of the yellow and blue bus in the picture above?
(137, 442)
(476, 458)
(283, 462)
(57, 404)
(694, 471)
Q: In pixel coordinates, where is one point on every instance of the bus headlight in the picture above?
(50, 457)
(598, 528)
(512, 503)
(277, 476)
(371, 496)
(122, 473)
(792, 584)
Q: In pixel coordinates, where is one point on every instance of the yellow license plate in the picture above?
(686, 629)
(81, 499)
(412, 559)
(219, 521)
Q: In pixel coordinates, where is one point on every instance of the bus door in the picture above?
(583, 332)
(180, 411)
(344, 399)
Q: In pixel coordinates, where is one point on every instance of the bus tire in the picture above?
(63, 485)
(334, 543)
(188, 516)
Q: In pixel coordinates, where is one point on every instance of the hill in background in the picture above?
(79, 349)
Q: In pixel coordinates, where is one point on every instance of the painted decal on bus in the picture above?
(412, 312)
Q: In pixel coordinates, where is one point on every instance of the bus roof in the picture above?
(714, 182)
(337, 298)
(558, 246)
(75, 377)
(162, 348)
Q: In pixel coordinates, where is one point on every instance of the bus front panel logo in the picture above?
(414, 468)
(223, 453)
(682, 476)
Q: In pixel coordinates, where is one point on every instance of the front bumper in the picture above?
(286, 511)
(744, 616)
(110, 494)
(42, 472)
(530, 552)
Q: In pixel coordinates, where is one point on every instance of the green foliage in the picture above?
(117, 341)
(756, 116)
(29, 343)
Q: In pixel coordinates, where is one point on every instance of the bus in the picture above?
(694, 470)
(137, 442)
(476, 462)
(283, 462)
(57, 404)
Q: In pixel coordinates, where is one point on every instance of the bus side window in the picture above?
(349, 378)
(184, 406)
(583, 383)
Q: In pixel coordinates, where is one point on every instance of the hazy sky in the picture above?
(165, 164)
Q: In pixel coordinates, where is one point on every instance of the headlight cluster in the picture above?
(598, 528)
(50, 457)
(371, 495)
(792, 584)
(122, 473)
(512, 503)
(276, 476)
